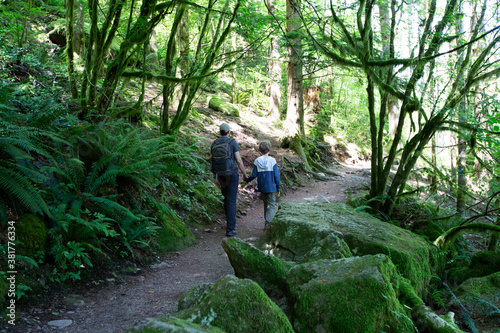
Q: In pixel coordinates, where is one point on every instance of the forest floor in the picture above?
(115, 304)
(115, 301)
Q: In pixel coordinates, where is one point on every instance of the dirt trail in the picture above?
(155, 292)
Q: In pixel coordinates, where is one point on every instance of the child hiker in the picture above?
(265, 169)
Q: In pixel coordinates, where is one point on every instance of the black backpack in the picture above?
(222, 161)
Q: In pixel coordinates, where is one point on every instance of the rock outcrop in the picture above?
(237, 305)
(217, 103)
(414, 258)
(251, 263)
(358, 294)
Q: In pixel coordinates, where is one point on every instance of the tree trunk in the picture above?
(295, 97)
(70, 19)
(274, 67)
(462, 120)
(182, 54)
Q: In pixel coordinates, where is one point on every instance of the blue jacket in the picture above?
(265, 169)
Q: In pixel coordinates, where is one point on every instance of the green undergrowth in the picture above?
(96, 194)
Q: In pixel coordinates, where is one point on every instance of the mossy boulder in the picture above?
(357, 294)
(429, 229)
(480, 296)
(31, 232)
(170, 325)
(194, 295)
(173, 234)
(485, 263)
(250, 262)
(217, 103)
(414, 258)
(237, 305)
(295, 236)
(481, 263)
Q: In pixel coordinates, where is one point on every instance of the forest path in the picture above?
(116, 304)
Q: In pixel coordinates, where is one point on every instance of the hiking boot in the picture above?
(231, 233)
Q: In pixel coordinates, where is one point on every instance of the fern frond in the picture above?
(20, 187)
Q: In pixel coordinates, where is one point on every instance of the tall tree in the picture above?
(274, 70)
(294, 123)
(203, 60)
(462, 118)
(354, 45)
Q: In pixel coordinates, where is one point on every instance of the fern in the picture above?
(18, 177)
(471, 324)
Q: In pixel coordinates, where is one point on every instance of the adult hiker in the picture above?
(225, 162)
(265, 169)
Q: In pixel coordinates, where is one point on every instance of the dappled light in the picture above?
(361, 190)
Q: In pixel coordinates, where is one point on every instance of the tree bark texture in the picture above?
(295, 97)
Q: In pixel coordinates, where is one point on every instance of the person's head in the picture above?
(224, 129)
(264, 147)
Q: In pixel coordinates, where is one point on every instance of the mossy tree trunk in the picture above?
(201, 65)
(138, 35)
(294, 123)
(70, 19)
(98, 45)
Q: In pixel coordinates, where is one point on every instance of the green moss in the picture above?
(485, 263)
(407, 294)
(194, 295)
(249, 262)
(415, 259)
(356, 294)
(482, 263)
(238, 305)
(173, 234)
(31, 233)
(429, 229)
(457, 275)
(481, 287)
(305, 233)
(217, 103)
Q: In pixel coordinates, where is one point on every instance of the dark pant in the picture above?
(229, 188)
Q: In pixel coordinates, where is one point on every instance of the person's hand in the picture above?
(278, 194)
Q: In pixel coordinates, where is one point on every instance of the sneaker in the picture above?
(231, 233)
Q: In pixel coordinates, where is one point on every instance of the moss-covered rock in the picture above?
(458, 275)
(173, 233)
(250, 262)
(481, 263)
(170, 325)
(414, 258)
(237, 305)
(31, 232)
(480, 296)
(194, 295)
(357, 294)
(407, 294)
(304, 237)
(429, 229)
(217, 103)
(485, 263)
